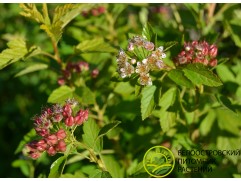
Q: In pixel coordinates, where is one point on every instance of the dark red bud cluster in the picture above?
(94, 11)
(53, 141)
(72, 69)
(197, 52)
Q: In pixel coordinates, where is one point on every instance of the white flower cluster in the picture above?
(129, 65)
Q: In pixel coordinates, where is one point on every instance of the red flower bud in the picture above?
(67, 111)
(51, 151)
(81, 117)
(94, 73)
(61, 81)
(41, 145)
(52, 139)
(35, 155)
(149, 46)
(101, 9)
(213, 51)
(61, 134)
(69, 121)
(213, 62)
(61, 146)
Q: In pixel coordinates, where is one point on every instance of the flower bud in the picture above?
(213, 62)
(213, 51)
(67, 111)
(149, 46)
(69, 121)
(51, 151)
(94, 73)
(101, 9)
(57, 118)
(130, 47)
(41, 145)
(61, 81)
(35, 155)
(61, 134)
(61, 146)
(52, 139)
(81, 117)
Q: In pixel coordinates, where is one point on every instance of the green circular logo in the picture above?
(159, 161)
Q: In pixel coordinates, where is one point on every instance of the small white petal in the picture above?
(133, 61)
(164, 55)
(138, 64)
(160, 48)
(123, 75)
(122, 69)
(144, 61)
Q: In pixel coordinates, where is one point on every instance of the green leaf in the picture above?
(169, 44)
(100, 174)
(199, 74)
(17, 50)
(207, 122)
(107, 128)
(60, 94)
(90, 135)
(225, 73)
(148, 33)
(178, 77)
(86, 96)
(23, 165)
(113, 166)
(32, 68)
(167, 120)
(95, 45)
(31, 135)
(57, 167)
(147, 101)
(168, 98)
(123, 88)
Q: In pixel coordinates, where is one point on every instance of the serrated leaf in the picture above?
(147, 101)
(113, 166)
(31, 68)
(18, 49)
(178, 77)
(100, 174)
(207, 122)
(168, 98)
(95, 45)
(90, 135)
(124, 88)
(56, 167)
(148, 33)
(199, 74)
(60, 94)
(107, 128)
(167, 120)
(169, 44)
(86, 95)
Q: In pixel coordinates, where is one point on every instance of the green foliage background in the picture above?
(213, 123)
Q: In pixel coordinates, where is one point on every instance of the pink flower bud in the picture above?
(95, 12)
(52, 139)
(130, 47)
(51, 151)
(61, 146)
(61, 134)
(149, 46)
(213, 62)
(94, 73)
(42, 145)
(101, 9)
(69, 121)
(35, 155)
(42, 131)
(61, 81)
(57, 118)
(67, 111)
(81, 117)
(213, 51)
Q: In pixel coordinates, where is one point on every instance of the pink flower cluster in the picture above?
(52, 126)
(128, 65)
(73, 68)
(94, 11)
(197, 52)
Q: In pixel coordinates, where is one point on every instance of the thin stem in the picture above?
(56, 51)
